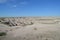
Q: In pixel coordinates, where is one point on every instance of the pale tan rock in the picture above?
(31, 28)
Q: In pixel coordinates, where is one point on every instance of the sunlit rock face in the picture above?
(16, 21)
(30, 28)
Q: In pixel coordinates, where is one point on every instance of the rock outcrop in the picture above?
(16, 21)
(30, 28)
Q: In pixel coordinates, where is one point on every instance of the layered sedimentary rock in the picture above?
(30, 28)
(18, 21)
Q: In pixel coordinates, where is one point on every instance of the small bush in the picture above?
(35, 28)
(2, 33)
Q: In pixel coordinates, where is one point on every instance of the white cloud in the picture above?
(3, 1)
(14, 5)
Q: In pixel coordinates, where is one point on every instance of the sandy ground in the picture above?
(37, 31)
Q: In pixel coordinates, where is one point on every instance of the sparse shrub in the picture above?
(35, 28)
(37, 37)
(24, 38)
(6, 23)
(3, 33)
(2, 19)
(46, 39)
(31, 23)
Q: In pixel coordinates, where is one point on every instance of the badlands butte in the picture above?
(29, 28)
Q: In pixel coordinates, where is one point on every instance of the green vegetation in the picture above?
(3, 33)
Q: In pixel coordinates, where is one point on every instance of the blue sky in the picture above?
(29, 8)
